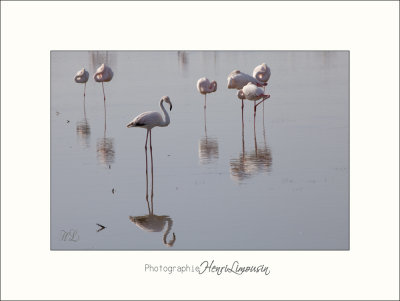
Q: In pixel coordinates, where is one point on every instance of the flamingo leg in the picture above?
(242, 114)
(147, 136)
(147, 174)
(151, 156)
(102, 83)
(84, 92)
(105, 119)
(205, 121)
(205, 101)
(263, 103)
(255, 141)
(242, 136)
(255, 110)
(152, 178)
(147, 186)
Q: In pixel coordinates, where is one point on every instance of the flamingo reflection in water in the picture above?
(152, 222)
(83, 127)
(250, 163)
(105, 146)
(208, 146)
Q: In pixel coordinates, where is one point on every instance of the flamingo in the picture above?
(254, 93)
(237, 80)
(262, 73)
(82, 77)
(148, 120)
(103, 74)
(204, 86)
(152, 222)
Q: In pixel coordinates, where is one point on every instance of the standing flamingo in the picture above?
(237, 80)
(103, 74)
(254, 93)
(148, 120)
(82, 77)
(262, 73)
(204, 86)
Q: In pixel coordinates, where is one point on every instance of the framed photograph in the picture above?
(271, 167)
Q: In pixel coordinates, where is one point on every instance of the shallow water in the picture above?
(216, 185)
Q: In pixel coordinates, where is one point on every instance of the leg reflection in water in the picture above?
(152, 222)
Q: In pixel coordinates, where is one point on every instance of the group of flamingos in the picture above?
(249, 87)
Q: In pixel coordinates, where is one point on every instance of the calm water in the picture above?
(216, 185)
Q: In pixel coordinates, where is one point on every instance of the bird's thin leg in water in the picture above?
(263, 104)
(84, 92)
(262, 101)
(84, 107)
(242, 138)
(152, 181)
(205, 101)
(147, 184)
(147, 169)
(255, 141)
(263, 119)
(205, 122)
(151, 156)
(255, 110)
(242, 115)
(265, 143)
(105, 120)
(102, 83)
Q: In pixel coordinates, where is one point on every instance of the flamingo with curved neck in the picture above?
(155, 223)
(148, 120)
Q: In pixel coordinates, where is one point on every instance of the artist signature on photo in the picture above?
(71, 235)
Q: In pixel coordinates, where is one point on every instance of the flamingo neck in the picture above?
(172, 241)
(167, 120)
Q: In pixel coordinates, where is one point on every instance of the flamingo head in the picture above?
(240, 95)
(213, 86)
(168, 101)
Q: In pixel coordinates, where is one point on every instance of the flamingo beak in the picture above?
(170, 106)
